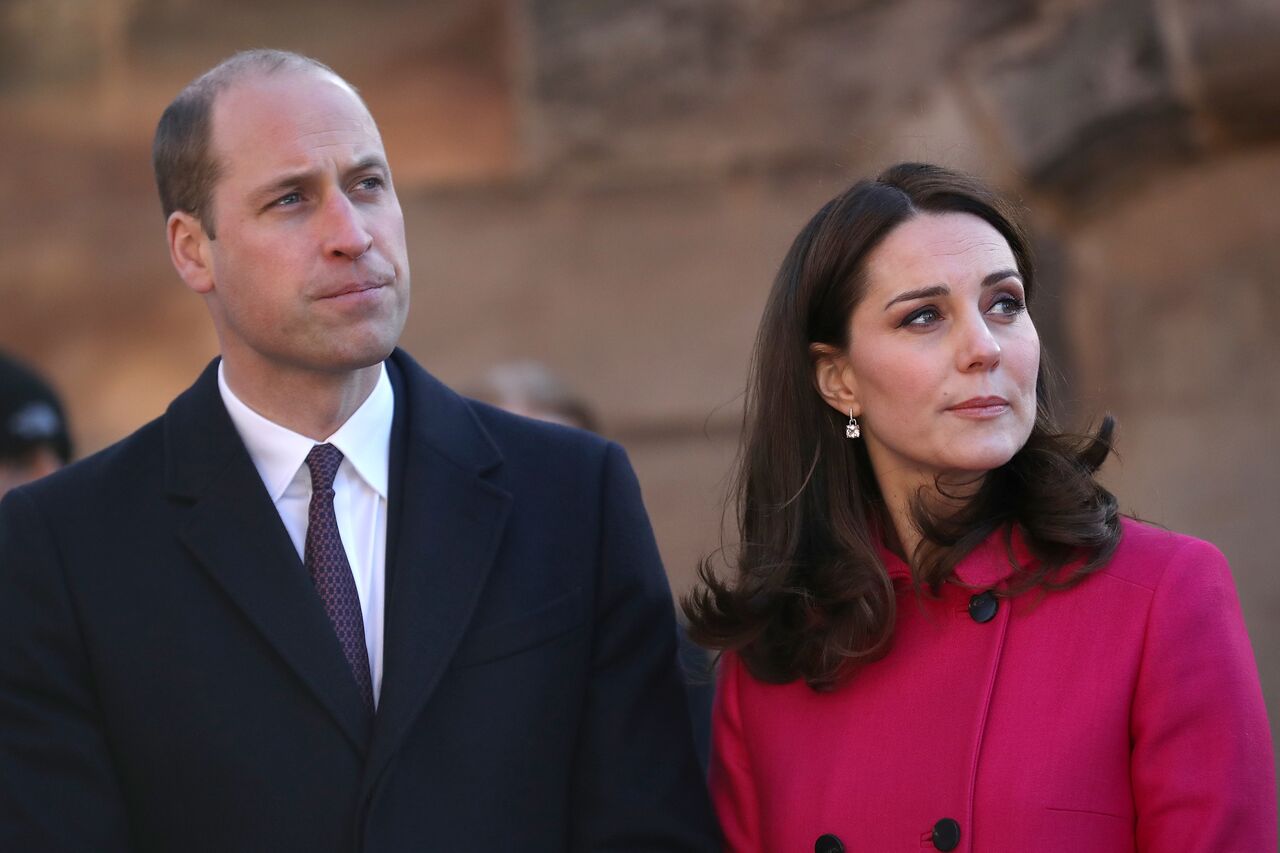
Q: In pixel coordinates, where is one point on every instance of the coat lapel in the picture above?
(445, 525)
(235, 534)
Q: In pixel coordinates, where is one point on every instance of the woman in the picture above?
(939, 632)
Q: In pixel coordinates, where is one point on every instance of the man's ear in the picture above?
(189, 251)
(834, 379)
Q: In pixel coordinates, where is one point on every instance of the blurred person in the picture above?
(324, 603)
(939, 631)
(34, 440)
(530, 388)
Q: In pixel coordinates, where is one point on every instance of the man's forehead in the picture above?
(269, 111)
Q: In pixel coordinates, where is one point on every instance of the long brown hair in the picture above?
(808, 596)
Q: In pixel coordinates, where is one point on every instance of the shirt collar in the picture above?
(278, 452)
(365, 439)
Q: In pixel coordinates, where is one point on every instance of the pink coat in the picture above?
(1122, 715)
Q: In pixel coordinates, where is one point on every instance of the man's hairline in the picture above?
(300, 65)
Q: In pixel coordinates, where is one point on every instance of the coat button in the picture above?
(983, 607)
(828, 844)
(946, 834)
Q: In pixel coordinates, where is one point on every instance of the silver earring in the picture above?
(852, 429)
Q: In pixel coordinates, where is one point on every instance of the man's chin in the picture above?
(354, 352)
(349, 362)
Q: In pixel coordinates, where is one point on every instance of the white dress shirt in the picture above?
(360, 491)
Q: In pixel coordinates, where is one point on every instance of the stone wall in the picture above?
(609, 187)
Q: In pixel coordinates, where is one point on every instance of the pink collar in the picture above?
(987, 565)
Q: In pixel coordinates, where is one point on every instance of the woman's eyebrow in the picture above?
(1000, 275)
(942, 290)
(921, 293)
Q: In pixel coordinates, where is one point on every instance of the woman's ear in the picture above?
(189, 251)
(834, 379)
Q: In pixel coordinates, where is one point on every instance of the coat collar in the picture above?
(232, 529)
(990, 564)
(200, 439)
(445, 521)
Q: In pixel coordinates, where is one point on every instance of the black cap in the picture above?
(31, 415)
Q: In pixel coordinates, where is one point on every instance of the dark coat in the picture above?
(169, 680)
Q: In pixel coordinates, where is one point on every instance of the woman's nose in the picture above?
(978, 348)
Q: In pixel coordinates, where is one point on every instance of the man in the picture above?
(530, 388)
(323, 603)
(33, 429)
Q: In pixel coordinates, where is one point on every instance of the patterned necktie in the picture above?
(326, 559)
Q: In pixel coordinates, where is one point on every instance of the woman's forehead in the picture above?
(937, 248)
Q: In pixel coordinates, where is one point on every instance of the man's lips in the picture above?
(353, 288)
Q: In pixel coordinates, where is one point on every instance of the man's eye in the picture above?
(369, 183)
(287, 200)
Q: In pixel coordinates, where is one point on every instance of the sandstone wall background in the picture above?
(609, 186)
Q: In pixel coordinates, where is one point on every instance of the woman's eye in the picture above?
(1008, 305)
(922, 317)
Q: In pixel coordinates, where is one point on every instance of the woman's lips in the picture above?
(981, 407)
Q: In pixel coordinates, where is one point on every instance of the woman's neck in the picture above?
(939, 496)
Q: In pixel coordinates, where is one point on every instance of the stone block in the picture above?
(1232, 53)
(679, 87)
(48, 41)
(1088, 84)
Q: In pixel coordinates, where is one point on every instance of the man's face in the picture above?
(308, 272)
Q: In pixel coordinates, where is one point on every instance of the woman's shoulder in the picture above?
(736, 683)
(1147, 555)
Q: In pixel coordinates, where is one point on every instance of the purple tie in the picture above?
(326, 559)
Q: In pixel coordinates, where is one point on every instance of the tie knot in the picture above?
(323, 462)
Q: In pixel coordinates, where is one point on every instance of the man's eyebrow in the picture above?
(373, 161)
(293, 179)
(942, 290)
(285, 182)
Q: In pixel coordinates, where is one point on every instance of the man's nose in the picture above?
(345, 235)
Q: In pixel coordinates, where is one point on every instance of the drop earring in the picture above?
(852, 429)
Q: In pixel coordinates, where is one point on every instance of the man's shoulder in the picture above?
(520, 433)
(136, 459)
(471, 431)
(540, 450)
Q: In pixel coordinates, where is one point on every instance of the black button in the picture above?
(946, 834)
(828, 844)
(983, 607)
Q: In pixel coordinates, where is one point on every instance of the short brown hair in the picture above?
(186, 170)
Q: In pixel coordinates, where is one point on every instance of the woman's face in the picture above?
(942, 358)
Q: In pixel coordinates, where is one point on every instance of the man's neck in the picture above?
(309, 403)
